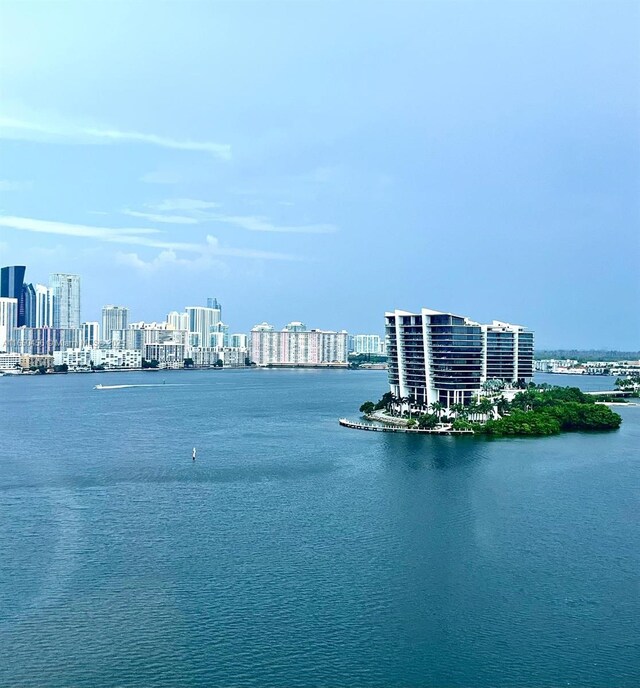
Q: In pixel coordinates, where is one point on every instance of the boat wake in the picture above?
(160, 384)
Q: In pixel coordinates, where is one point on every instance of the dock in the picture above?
(346, 423)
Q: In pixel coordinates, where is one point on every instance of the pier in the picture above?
(388, 428)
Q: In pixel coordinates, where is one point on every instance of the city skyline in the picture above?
(483, 160)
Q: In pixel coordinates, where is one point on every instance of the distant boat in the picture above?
(193, 456)
(99, 387)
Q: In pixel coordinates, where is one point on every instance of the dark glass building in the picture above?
(446, 358)
(11, 284)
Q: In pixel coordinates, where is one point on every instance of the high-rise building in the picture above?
(212, 302)
(8, 319)
(239, 341)
(113, 318)
(446, 358)
(91, 334)
(367, 344)
(295, 345)
(29, 304)
(202, 322)
(66, 300)
(178, 321)
(37, 301)
(11, 287)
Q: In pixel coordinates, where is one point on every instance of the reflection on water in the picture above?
(296, 552)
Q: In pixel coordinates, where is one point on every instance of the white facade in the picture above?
(367, 344)
(202, 323)
(296, 346)
(91, 334)
(8, 321)
(178, 321)
(114, 318)
(240, 341)
(109, 358)
(44, 306)
(446, 358)
(231, 357)
(9, 361)
(66, 300)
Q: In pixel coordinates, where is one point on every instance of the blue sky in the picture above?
(328, 161)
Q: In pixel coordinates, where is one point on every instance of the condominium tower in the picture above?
(8, 319)
(446, 358)
(295, 345)
(66, 300)
(11, 287)
(113, 318)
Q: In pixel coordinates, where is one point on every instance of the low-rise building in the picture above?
(9, 361)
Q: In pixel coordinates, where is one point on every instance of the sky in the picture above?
(328, 161)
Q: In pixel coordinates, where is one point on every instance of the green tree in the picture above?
(367, 408)
(427, 421)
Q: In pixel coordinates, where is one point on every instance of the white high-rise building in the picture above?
(8, 321)
(44, 306)
(240, 341)
(446, 358)
(366, 344)
(113, 318)
(178, 321)
(91, 335)
(202, 323)
(295, 345)
(66, 300)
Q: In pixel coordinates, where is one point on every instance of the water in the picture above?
(295, 552)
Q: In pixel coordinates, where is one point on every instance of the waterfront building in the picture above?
(91, 334)
(66, 300)
(202, 322)
(113, 318)
(28, 361)
(446, 358)
(367, 344)
(168, 353)
(80, 358)
(12, 287)
(44, 340)
(294, 345)
(239, 341)
(8, 321)
(231, 356)
(9, 361)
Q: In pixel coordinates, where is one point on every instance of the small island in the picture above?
(537, 410)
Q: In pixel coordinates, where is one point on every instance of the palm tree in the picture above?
(460, 410)
(437, 408)
(485, 406)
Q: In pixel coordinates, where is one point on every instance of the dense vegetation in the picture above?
(583, 356)
(537, 411)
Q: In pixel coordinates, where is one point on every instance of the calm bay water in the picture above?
(295, 552)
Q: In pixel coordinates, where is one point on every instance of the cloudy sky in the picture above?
(327, 161)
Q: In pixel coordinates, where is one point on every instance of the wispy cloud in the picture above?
(136, 237)
(158, 217)
(197, 211)
(184, 204)
(25, 129)
(255, 223)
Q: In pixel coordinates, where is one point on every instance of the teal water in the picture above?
(295, 552)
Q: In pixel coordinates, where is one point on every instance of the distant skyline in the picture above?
(327, 162)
